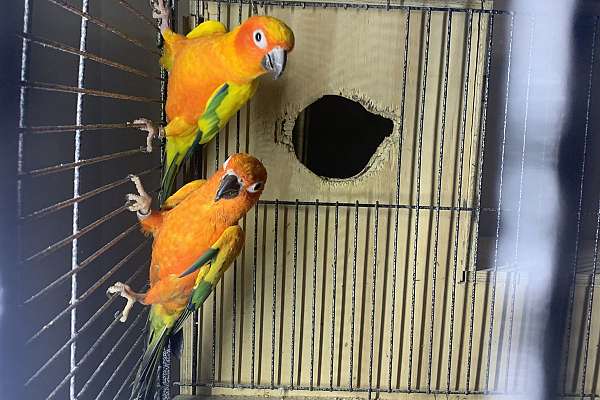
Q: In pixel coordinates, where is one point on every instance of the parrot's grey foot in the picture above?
(152, 130)
(162, 12)
(125, 291)
(141, 202)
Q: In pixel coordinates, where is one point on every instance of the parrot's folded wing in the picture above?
(206, 28)
(212, 264)
(182, 146)
(224, 102)
(182, 193)
(210, 122)
(221, 106)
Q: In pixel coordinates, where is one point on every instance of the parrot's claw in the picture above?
(162, 12)
(141, 202)
(124, 291)
(137, 203)
(152, 130)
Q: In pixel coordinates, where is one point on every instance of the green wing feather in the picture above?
(180, 149)
(225, 101)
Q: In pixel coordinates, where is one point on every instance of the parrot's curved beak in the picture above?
(274, 61)
(229, 187)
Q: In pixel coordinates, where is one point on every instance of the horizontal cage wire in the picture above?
(73, 177)
(399, 280)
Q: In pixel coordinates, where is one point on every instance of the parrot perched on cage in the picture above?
(212, 74)
(196, 238)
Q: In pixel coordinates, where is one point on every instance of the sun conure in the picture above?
(212, 74)
(196, 238)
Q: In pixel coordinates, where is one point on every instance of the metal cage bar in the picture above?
(579, 220)
(79, 357)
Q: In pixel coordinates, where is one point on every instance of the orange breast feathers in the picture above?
(187, 231)
(200, 66)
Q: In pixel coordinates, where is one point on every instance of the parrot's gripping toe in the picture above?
(161, 11)
(141, 202)
(125, 291)
(151, 129)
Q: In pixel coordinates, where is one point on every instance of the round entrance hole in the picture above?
(336, 137)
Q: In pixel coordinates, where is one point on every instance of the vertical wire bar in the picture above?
(238, 113)
(590, 306)
(163, 115)
(198, 316)
(215, 297)
(195, 345)
(235, 263)
(314, 297)
(418, 199)
(235, 268)
(463, 125)
(333, 287)
(254, 267)
(353, 306)
(233, 321)
(165, 373)
(273, 305)
(520, 201)
(480, 160)
(198, 356)
(213, 364)
(76, 179)
(373, 292)
(499, 207)
(579, 205)
(293, 333)
(397, 214)
(439, 198)
(214, 305)
(22, 108)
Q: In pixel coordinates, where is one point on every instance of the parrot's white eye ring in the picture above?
(260, 39)
(256, 187)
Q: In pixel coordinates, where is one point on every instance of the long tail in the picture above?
(146, 380)
(177, 153)
(168, 180)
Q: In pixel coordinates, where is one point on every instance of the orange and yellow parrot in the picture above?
(212, 74)
(196, 238)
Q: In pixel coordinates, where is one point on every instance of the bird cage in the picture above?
(430, 197)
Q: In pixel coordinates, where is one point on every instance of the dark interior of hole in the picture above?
(336, 137)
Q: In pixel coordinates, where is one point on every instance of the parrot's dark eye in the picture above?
(256, 187)
(259, 39)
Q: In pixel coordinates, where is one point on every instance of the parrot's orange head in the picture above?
(242, 180)
(264, 42)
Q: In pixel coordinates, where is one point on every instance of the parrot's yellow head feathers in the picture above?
(242, 179)
(264, 42)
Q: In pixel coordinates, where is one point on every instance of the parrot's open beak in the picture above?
(229, 187)
(274, 61)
